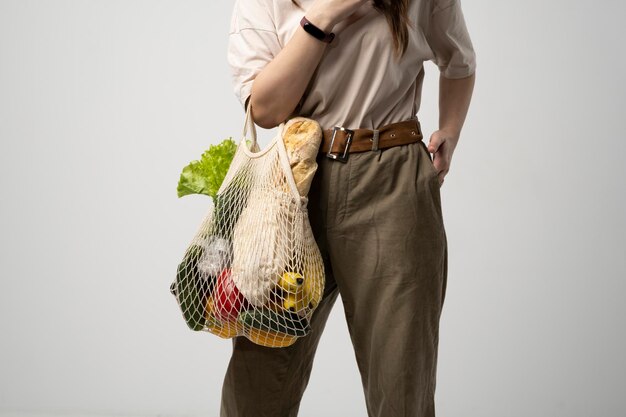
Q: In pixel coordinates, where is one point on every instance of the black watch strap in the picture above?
(315, 31)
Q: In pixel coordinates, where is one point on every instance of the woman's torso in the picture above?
(358, 82)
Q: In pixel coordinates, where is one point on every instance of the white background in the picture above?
(103, 102)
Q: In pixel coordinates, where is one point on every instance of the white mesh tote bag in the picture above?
(253, 267)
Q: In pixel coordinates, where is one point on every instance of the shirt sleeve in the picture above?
(450, 41)
(252, 44)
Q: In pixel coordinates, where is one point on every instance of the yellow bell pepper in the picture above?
(270, 338)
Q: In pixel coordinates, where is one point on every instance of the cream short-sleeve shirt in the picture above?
(358, 83)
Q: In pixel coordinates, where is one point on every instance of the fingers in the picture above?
(441, 157)
(442, 164)
(441, 154)
(435, 141)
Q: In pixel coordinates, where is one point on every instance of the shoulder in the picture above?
(252, 14)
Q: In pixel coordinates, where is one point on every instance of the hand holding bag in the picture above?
(253, 267)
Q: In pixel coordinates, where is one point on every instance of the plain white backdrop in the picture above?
(103, 102)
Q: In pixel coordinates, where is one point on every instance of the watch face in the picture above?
(310, 26)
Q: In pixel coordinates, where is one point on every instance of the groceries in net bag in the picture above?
(253, 267)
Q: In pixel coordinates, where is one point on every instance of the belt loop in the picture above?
(375, 140)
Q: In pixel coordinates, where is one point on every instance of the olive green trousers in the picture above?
(378, 222)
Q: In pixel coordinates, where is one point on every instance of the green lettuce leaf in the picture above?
(206, 175)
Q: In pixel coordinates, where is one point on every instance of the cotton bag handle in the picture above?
(282, 151)
(251, 122)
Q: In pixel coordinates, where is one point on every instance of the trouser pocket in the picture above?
(428, 161)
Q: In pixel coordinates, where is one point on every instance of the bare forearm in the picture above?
(277, 89)
(454, 100)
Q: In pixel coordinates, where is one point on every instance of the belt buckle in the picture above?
(340, 157)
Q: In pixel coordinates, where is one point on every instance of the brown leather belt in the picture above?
(338, 141)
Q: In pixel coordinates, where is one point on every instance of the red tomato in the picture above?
(227, 300)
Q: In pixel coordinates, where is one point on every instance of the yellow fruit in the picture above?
(291, 281)
(313, 286)
(270, 339)
(296, 302)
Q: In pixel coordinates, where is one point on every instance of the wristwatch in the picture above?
(315, 31)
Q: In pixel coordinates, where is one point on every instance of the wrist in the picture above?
(320, 20)
(451, 132)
